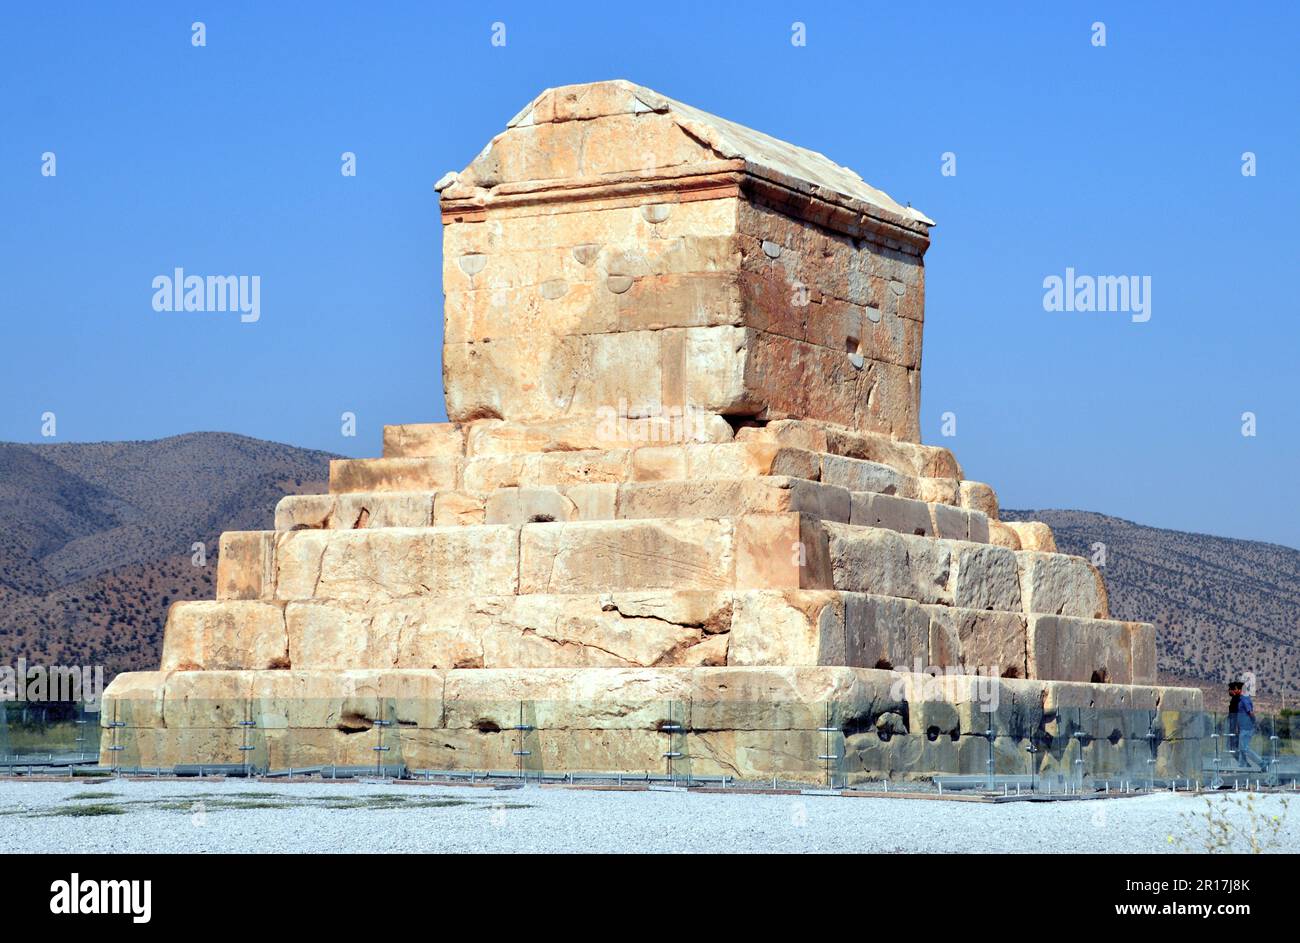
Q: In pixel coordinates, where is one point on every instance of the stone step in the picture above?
(750, 723)
(745, 458)
(710, 497)
(759, 697)
(653, 628)
(613, 429)
(926, 472)
(752, 551)
(489, 472)
(963, 573)
(657, 463)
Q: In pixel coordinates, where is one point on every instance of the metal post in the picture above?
(522, 728)
(827, 729)
(380, 747)
(988, 736)
(115, 747)
(672, 728)
(247, 723)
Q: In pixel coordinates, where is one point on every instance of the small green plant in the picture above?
(1233, 825)
(89, 809)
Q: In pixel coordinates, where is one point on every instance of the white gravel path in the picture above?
(192, 816)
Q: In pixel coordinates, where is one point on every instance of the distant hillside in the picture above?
(95, 538)
(1220, 606)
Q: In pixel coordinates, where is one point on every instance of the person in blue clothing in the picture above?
(1241, 724)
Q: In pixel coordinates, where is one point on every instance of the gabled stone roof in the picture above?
(764, 155)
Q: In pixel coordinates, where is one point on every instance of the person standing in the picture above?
(1241, 724)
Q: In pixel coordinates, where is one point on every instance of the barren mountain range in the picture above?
(97, 539)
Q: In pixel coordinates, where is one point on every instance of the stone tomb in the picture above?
(681, 485)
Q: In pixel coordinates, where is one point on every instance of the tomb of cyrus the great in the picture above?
(680, 487)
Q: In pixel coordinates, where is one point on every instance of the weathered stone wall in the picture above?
(752, 723)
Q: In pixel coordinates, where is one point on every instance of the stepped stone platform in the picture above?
(680, 487)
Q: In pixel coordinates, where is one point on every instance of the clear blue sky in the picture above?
(1118, 160)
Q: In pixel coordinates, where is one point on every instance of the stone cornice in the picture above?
(684, 183)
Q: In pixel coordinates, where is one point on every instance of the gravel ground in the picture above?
(240, 816)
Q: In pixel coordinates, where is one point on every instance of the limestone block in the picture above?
(208, 699)
(1009, 706)
(827, 502)
(780, 551)
(424, 440)
(134, 698)
(1181, 713)
(609, 429)
(299, 511)
(934, 719)
(883, 632)
(1180, 759)
(789, 755)
(395, 509)
(1074, 649)
(1034, 535)
(893, 513)
(979, 528)
(392, 474)
(748, 459)
(1106, 712)
(787, 698)
(324, 635)
(1062, 585)
(950, 523)
(858, 475)
(977, 496)
(939, 490)
(593, 556)
(229, 634)
(459, 508)
(245, 565)
(789, 378)
(981, 642)
(793, 433)
(373, 565)
(516, 506)
(909, 457)
(985, 577)
(155, 748)
(568, 698)
(657, 463)
(594, 502)
(729, 497)
(572, 468)
(354, 511)
(1002, 535)
(787, 628)
(885, 563)
(348, 701)
(486, 379)
(1142, 651)
(560, 631)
